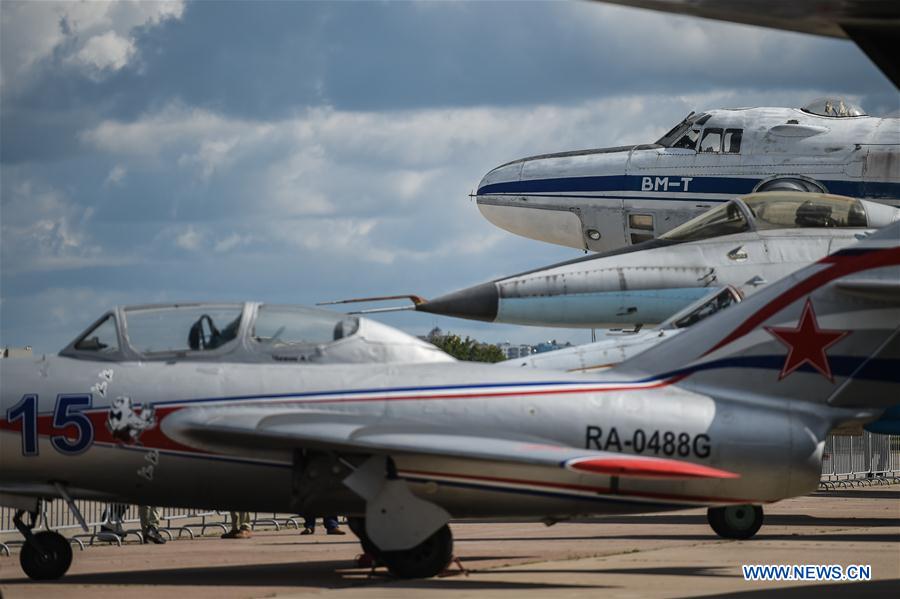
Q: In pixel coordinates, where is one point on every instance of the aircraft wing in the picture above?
(234, 430)
(874, 25)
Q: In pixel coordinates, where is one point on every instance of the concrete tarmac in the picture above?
(671, 555)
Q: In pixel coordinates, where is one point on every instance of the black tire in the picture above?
(735, 521)
(358, 527)
(49, 566)
(428, 558)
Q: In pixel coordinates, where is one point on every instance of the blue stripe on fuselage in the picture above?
(721, 185)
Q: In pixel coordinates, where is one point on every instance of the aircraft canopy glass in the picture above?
(779, 210)
(181, 328)
(833, 107)
(284, 326)
(773, 210)
(683, 135)
(726, 219)
(247, 332)
(102, 338)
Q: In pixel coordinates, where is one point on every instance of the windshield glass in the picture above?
(722, 300)
(176, 328)
(724, 220)
(281, 326)
(683, 135)
(781, 210)
(102, 339)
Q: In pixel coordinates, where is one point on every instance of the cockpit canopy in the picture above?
(248, 332)
(783, 210)
(833, 107)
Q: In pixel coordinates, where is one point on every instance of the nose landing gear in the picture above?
(735, 521)
(46, 555)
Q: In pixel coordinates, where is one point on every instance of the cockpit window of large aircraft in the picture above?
(685, 133)
(833, 107)
(712, 140)
(103, 338)
(727, 141)
(727, 219)
(179, 329)
(781, 210)
(278, 326)
(731, 142)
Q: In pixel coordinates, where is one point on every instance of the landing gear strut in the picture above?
(46, 555)
(735, 521)
(428, 558)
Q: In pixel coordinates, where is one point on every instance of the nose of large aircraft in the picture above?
(476, 303)
(508, 202)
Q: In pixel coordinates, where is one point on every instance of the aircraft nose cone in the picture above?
(499, 180)
(475, 303)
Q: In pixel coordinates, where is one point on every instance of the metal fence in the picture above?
(860, 460)
(114, 523)
(848, 461)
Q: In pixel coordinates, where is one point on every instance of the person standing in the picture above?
(331, 525)
(240, 526)
(150, 524)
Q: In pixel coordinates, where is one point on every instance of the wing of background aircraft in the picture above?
(874, 25)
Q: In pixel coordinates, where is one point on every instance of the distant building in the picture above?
(549, 346)
(515, 351)
(16, 352)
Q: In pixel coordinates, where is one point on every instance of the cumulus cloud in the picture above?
(43, 230)
(189, 239)
(97, 36)
(116, 175)
(108, 51)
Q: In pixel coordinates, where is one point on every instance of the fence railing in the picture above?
(862, 460)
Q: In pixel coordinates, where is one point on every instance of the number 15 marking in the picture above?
(68, 413)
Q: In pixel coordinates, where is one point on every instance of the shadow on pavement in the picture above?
(773, 519)
(706, 571)
(321, 574)
(861, 537)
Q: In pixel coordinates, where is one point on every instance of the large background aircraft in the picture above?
(611, 197)
(403, 449)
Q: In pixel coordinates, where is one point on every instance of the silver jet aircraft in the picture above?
(618, 345)
(607, 198)
(731, 414)
(745, 243)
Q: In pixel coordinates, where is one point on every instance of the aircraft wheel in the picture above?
(735, 521)
(428, 558)
(358, 527)
(50, 565)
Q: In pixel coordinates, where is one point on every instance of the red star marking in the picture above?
(807, 343)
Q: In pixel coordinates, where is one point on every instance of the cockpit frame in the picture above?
(238, 346)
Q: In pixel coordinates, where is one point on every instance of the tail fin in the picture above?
(829, 333)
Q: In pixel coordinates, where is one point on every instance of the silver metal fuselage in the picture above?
(608, 198)
(642, 286)
(775, 446)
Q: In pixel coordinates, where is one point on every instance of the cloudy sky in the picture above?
(298, 152)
